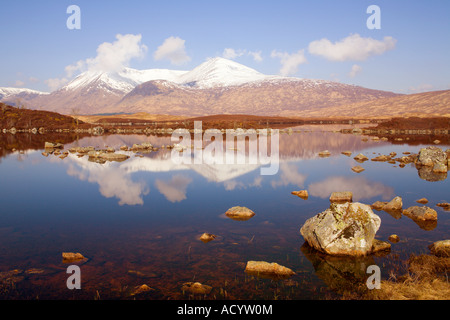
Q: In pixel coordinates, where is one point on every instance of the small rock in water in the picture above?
(239, 213)
(196, 288)
(440, 248)
(345, 196)
(141, 289)
(70, 256)
(444, 205)
(267, 269)
(358, 169)
(361, 158)
(379, 246)
(422, 201)
(394, 238)
(302, 194)
(420, 213)
(347, 153)
(324, 153)
(207, 237)
(378, 205)
(394, 205)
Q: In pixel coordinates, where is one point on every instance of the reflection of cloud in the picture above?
(113, 182)
(233, 184)
(359, 186)
(289, 175)
(175, 189)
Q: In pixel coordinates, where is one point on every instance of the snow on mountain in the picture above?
(220, 72)
(123, 81)
(6, 92)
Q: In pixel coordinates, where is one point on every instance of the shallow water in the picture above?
(138, 221)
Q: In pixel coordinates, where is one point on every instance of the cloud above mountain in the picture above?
(172, 49)
(351, 48)
(111, 57)
(230, 53)
(290, 62)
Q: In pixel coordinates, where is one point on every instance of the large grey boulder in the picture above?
(343, 229)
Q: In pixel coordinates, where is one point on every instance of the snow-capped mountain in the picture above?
(220, 72)
(123, 81)
(200, 91)
(14, 96)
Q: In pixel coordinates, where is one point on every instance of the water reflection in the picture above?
(361, 188)
(113, 181)
(175, 189)
(341, 274)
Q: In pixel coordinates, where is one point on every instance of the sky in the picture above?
(44, 45)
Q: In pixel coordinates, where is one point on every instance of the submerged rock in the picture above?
(266, 269)
(196, 288)
(239, 213)
(141, 289)
(343, 229)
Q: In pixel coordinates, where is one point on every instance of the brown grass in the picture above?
(427, 280)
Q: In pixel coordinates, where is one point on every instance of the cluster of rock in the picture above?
(432, 162)
(425, 217)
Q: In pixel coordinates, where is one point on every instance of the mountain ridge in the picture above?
(217, 86)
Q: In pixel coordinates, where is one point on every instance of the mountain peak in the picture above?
(220, 72)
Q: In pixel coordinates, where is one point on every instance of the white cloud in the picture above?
(19, 83)
(56, 83)
(172, 49)
(289, 62)
(110, 57)
(353, 47)
(230, 53)
(354, 71)
(256, 55)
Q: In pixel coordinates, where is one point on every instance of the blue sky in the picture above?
(322, 39)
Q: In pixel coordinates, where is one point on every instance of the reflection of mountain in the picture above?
(115, 179)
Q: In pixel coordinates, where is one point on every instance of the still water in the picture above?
(138, 221)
